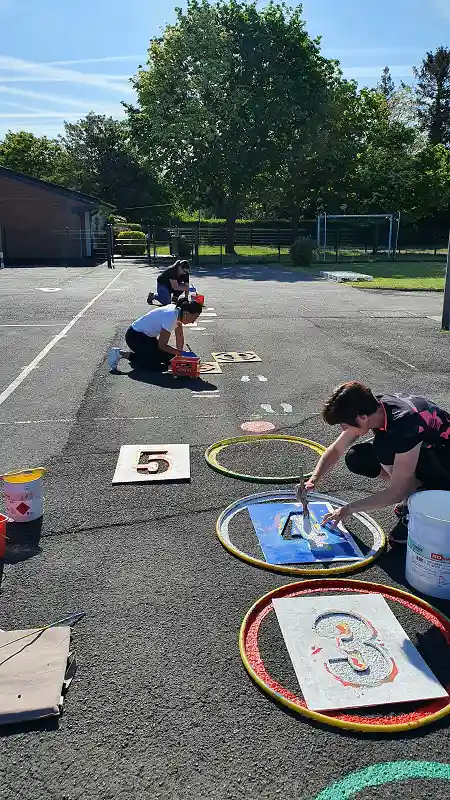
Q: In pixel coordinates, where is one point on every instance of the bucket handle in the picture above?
(23, 472)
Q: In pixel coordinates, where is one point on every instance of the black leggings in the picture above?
(145, 352)
(433, 466)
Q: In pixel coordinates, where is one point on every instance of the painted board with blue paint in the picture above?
(321, 544)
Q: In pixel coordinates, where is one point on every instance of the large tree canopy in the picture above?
(33, 155)
(226, 90)
(101, 160)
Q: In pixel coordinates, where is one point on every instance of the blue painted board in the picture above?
(320, 545)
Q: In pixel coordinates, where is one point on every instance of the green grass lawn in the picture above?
(402, 275)
(405, 275)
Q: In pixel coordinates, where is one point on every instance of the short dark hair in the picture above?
(348, 401)
(189, 306)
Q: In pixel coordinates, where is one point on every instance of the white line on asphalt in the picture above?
(396, 358)
(26, 371)
(37, 325)
(209, 395)
(206, 314)
(73, 420)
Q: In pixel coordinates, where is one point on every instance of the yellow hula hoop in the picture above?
(225, 517)
(317, 715)
(214, 449)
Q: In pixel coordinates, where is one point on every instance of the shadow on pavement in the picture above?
(22, 540)
(168, 381)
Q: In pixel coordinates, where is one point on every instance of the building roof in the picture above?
(53, 187)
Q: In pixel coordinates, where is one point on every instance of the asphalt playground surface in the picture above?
(161, 706)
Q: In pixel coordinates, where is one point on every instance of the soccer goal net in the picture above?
(357, 237)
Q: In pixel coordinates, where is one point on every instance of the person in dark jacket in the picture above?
(171, 284)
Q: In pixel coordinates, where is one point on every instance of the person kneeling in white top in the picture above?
(148, 337)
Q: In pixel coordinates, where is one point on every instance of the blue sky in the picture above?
(60, 59)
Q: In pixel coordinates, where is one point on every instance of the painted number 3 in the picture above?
(360, 658)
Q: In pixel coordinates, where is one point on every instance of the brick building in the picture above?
(45, 224)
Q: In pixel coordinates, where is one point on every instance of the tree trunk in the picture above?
(230, 229)
(295, 215)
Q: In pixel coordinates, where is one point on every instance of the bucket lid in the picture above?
(434, 504)
(24, 475)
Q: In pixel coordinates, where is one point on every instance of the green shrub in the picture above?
(302, 251)
(131, 243)
(132, 226)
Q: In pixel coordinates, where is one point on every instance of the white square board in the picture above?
(172, 458)
(210, 368)
(234, 357)
(350, 651)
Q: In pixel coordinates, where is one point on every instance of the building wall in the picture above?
(40, 225)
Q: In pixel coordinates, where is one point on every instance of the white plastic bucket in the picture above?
(23, 494)
(428, 549)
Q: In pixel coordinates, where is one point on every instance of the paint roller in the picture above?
(301, 498)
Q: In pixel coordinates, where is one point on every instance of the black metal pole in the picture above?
(446, 303)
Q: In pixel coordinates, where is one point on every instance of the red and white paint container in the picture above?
(23, 494)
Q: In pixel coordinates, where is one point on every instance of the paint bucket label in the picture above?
(426, 566)
(24, 502)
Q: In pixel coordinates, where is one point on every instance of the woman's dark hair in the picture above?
(183, 265)
(348, 401)
(189, 306)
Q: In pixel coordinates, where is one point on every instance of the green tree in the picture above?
(386, 85)
(32, 155)
(101, 160)
(433, 95)
(316, 170)
(226, 90)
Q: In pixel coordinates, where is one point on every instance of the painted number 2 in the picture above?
(360, 658)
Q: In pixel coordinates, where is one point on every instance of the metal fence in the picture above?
(347, 241)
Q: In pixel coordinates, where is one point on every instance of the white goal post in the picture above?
(324, 219)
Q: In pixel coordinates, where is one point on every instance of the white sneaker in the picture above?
(114, 358)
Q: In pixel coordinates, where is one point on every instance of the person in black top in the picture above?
(410, 448)
(171, 284)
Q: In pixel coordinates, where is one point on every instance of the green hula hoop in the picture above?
(214, 449)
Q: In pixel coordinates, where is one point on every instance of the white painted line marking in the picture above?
(210, 309)
(198, 328)
(206, 314)
(47, 289)
(245, 379)
(267, 407)
(287, 408)
(33, 364)
(23, 325)
(396, 358)
(208, 395)
(262, 378)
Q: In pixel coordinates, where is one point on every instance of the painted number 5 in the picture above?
(359, 658)
(152, 461)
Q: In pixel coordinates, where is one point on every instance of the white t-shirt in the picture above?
(156, 320)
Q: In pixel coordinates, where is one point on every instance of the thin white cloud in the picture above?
(48, 98)
(44, 73)
(110, 79)
(103, 59)
(43, 115)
